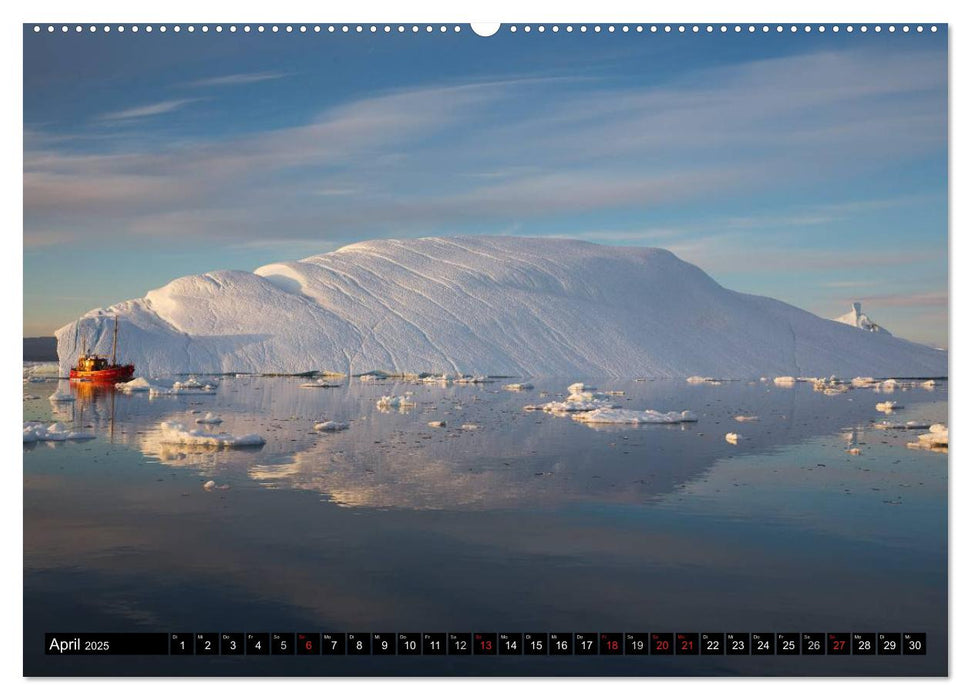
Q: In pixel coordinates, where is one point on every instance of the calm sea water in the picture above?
(526, 522)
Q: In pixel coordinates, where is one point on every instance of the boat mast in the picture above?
(114, 343)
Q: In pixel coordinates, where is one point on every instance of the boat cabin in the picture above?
(91, 363)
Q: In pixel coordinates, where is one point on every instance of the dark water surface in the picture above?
(528, 522)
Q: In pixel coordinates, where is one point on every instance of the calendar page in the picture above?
(524, 349)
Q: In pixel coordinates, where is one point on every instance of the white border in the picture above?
(438, 11)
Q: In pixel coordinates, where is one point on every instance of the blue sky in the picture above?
(807, 167)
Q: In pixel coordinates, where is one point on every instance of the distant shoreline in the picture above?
(42, 349)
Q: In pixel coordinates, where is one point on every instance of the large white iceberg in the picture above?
(479, 306)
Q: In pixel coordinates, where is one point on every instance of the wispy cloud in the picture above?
(149, 110)
(915, 300)
(236, 79)
(507, 151)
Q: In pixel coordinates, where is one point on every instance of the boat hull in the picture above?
(109, 375)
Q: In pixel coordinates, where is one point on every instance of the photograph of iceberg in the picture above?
(572, 350)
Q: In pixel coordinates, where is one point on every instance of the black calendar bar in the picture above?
(110, 644)
(487, 644)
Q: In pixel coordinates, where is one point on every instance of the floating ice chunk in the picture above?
(136, 384)
(732, 438)
(41, 372)
(518, 387)
(331, 426)
(581, 398)
(746, 419)
(936, 439)
(212, 486)
(30, 397)
(468, 379)
(909, 425)
(187, 387)
(862, 381)
(54, 432)
(580, 387)
(784, 381)
(929, 384)
(320, 383)
(572, 405)
(209, 419)
(627, 416)
(173, 433)
(442, 379)
(388, 402)
(436, 424)
(469, 426)
(853, 450)
(887, 406)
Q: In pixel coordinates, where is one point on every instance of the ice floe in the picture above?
(53, 432)
(187, 387)
(581, 397)
(331, 426)
(909, 425)
(627, 416)
(518, 387)
(137, 384)
(887, 406)
(732, 438)
(209, 419)
(386, 403)
(936, 439)
(320, 383)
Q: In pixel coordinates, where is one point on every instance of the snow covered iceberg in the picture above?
(484, 305)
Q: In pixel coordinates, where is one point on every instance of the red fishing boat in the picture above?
(95, 368)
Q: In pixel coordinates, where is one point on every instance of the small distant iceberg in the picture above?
(855, 317)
